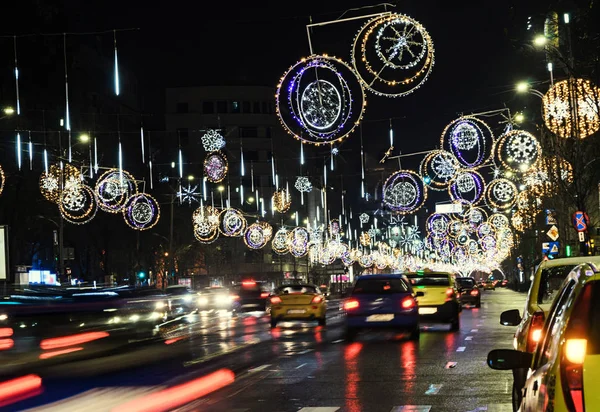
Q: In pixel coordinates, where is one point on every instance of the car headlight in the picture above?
(202, 300)
(160, 305)
(222, 299)
(187, 298)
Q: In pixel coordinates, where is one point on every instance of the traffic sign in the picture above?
(551, 217)
(581, 236)
(553, 233)
(580, 221)
(550, 248)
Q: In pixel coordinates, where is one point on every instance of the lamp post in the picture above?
(59, 225)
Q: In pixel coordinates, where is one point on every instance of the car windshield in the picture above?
(429, 279)
(465, 282)
(296, 289)
(379, 286)
(551, 281)
(178, 291)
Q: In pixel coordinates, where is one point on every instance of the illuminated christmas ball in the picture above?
(113, 188)
(282, 200)
(215, 167)
(469, 139)
(141, 212)
(57, 179)
(404, 192)
(518, 151)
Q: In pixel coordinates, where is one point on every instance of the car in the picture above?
(215, 298)
(298, 302)
(381, 301)
(563, 372)
(440, 302)
(468, 291)
(182, 300)
(545, 284)
(249, 296)
(489, 284)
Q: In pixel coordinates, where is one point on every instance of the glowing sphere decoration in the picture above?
(279, 244)
(298, 242)
(437, 225)
(468, 186)
(232, 223)
(404, 192)
(501, 193)
(365, 239)
(440, 167)
(499, 221)
(518, 151)
(393, 55)
(78, 204)
(255, 236)
(570, 108)
(215, 167)
(282, 200)
(320, 100)
(57, 178)
(469, 139)
(141, 211)
(114, 188)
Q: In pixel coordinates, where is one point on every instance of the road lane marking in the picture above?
(411, 408)
(469, 338)
(298, 367)
(259, 368)
(433, 389)
(474, 330)
(338, 341)
(305, 351)
(461, 349)
(319, 409)
(450, 365)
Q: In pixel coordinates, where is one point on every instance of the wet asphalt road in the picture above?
(300, 367)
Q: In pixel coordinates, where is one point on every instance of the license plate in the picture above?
(296, 311)
(427, 311)
(380, 318)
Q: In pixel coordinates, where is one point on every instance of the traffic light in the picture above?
(141, 275)
(568, 250)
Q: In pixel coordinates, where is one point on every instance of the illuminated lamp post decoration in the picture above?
(232, 223)
(440, 167)
(501, 193)
(469, 140)
(78, 204)
(282, 200)
(141, 212)
(113, 189)
(393, 55)
(404, 192)
(468, 185)
(215, 167)
(570, 108)
(320, 100)
(279, 244)
(518, 151)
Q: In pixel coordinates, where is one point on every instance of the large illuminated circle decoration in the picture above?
(279, 244)
(468, 186)
(320, 100)
(501, 193)
(78, 204)
(404, 192)
(205, 220)
(393, 55)
(113, 188)
(298, 242)
(232, 223)
(215, 167)
(255, 237)
(282, 200)
(141, 212)
(440, 167)
(518, 151)
(437, 225)
(570, 108)
(499, 221)
(469, 139)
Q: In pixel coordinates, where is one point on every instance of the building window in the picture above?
(221, 107)
(235, 107)
(208, 107)
(248, 132)
(256, 108)
(265, 107)
(182, 107)
(246, 107)
(183, 136)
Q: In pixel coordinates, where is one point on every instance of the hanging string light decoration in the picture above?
(279, 244)
(212, 141)
(570, 108)
(501, 193)
(439, 167)
(393, 55)
(320, 100)
(469, 139)
(468, 186)
(215, 167)
(78, 204)
(521, 221)
(114, 188)
(232, 223)
(141, 212)
(404, 192)
(255, 236)
(518, 151)
(282, 200)
(549, 174)
(56, 179)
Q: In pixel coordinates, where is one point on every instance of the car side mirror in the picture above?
(419, 294)
(510, 317)
(508, 359)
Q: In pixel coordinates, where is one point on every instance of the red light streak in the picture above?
(6, 332)
(6, 344)
(173, 340)
(48, 355)
(18, 389)
(55, 343)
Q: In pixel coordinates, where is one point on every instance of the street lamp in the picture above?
(524, 87)
(540, 40)
(221, 188)
(191, 178)
(9, 111)
(84, 138)
(519, 118)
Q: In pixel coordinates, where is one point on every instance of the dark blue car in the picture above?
(381, 301)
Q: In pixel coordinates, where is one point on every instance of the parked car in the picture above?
(562, 373)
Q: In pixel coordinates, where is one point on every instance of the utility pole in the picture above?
(61, 225)
(171, 257)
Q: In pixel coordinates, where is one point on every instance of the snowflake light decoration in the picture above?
(189, 194)
(501, 193)
(440, 167)
(404, 192)
(518, 151)
(213, 141)
(78, 204)
(57, 179)
(364, 218)
(303, 184)
(215, 167)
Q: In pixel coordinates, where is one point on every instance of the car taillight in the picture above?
(264, 295)
(317, 299)
(275, 300)
(408, 303)
(351, 304)
(235, 297)
(449, 294)
(474, 292)
(535, 331)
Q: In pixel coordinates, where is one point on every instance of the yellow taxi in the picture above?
(564, 370)
(298, 302)
(439, 301)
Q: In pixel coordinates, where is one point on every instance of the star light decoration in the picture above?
(303, 184)
(364, 218)
(320, 100)
(189, 194)
(393, 55)
(213, 141)
(570, 108)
